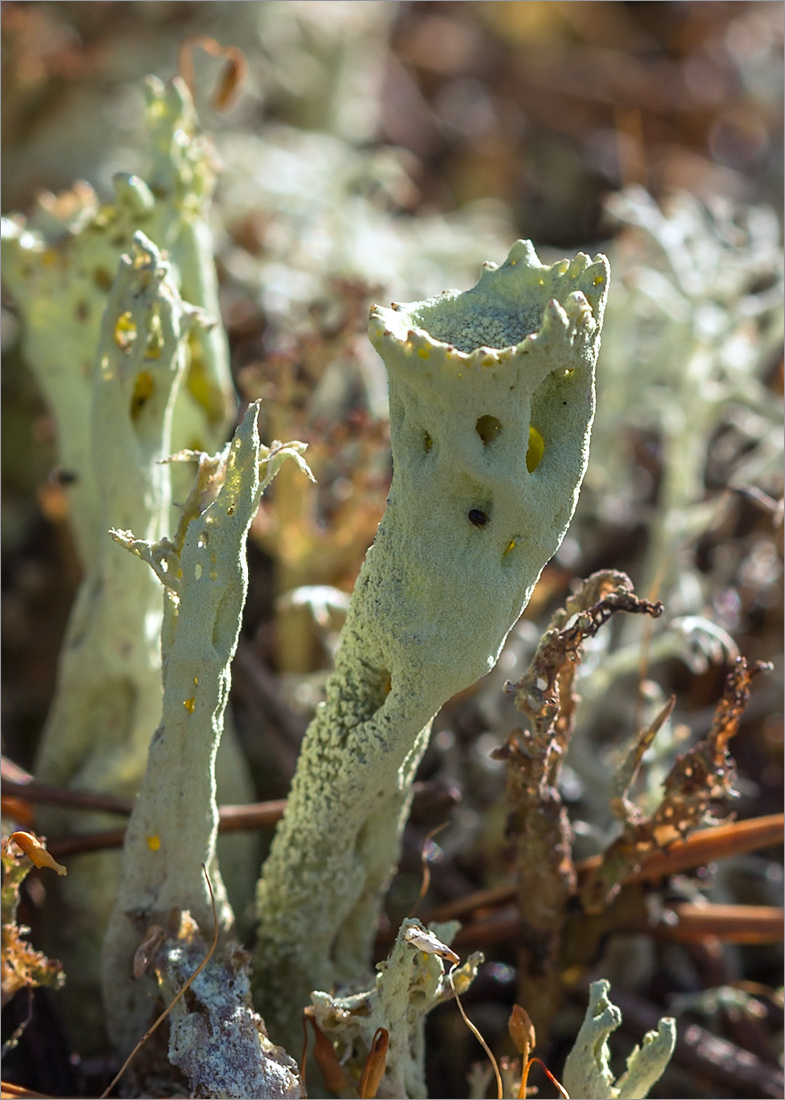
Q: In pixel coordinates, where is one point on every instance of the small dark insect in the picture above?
(478, 518)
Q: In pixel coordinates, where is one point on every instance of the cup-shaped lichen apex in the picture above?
(491, 405)
(509, 304)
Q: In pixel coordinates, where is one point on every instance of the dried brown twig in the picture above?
(702, 847)
(538, 828)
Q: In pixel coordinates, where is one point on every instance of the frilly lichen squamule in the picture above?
(490, 444)
(172, 830)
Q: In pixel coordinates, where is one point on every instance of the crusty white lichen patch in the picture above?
(215, 1036)
(490, 444)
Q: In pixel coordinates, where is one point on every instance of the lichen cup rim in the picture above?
(457, 322)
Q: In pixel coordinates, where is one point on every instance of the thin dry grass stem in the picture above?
(730, 923)
(522, 1033)
(231, 78)
(8, 1091)
(475, 1031)
(254, 815)
(708, 845)
(702, 847)
(154, 1026)
(562, 1091)
(426, 870)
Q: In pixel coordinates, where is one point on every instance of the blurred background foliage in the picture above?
(381, 151)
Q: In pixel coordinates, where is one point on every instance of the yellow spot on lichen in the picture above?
(124, 331)
(154, 842)
(190, 704)
(510, 546)
(536, 450)
(599, 279)
(424, 353)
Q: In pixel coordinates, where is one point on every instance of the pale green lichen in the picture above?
(108, 694)
(59, 266)
(172, 830)
(468, 528)
(408, 984)
(117, 413)
(587, 1072)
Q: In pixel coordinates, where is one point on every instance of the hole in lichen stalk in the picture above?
(488, 427)
(478, 517)
(103, 278)
(143, 391)
(371, 689)
(536, 450)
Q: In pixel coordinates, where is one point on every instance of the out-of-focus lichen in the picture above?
(172, 831)
(117, 415)
(108, 696)
(470, 523)
(587, 1072)
(698, 308)
(59, 265)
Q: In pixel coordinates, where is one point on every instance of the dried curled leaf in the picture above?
(35, 850)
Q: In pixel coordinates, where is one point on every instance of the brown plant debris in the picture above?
(538, 828)
(700, 778)
(20, 964)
